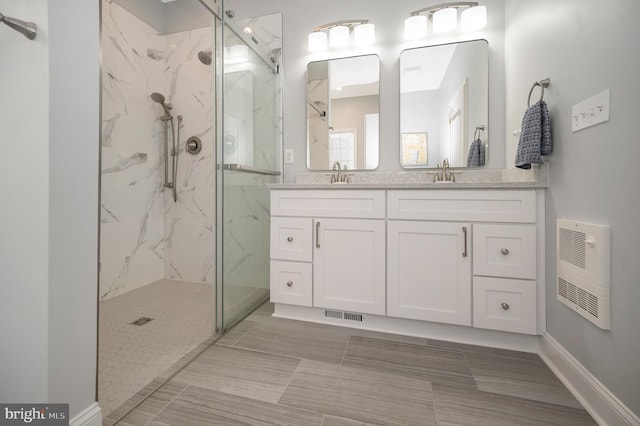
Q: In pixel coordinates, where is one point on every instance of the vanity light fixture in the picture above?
(339, 34)
(444, 17)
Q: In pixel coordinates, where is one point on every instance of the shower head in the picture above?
(159, 98)
(205, 56)
(28, 29)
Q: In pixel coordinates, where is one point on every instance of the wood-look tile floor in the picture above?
(271, 371)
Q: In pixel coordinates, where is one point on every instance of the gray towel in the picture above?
(476, 154)
(535, 138)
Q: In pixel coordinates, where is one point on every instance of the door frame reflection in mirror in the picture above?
(426, 90)
(353, 105)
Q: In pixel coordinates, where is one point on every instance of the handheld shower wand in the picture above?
(28, 29)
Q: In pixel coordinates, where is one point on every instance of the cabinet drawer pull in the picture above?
(464, 231)
(290, 283)
(290, 239)
(317, 234)
(505, 306)
(504, 251)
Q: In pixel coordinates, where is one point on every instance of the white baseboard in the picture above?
(600, 403)
(91, 416)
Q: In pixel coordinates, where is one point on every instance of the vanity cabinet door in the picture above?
(349, 265)
(429, 271)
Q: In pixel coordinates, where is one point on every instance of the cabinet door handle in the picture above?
(504, 251)
(317, 234)
(289, 283)
(290, 239)
(464, 231)
(505, 306)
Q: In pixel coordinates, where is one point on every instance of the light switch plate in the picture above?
(590, 112)
(288, 156)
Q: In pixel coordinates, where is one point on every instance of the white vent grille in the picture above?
(577, 296)
(583, 270)
(572, 247)
(349, 316)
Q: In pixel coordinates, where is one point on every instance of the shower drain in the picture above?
(141, 321)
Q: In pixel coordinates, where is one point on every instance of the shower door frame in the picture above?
(226, 22)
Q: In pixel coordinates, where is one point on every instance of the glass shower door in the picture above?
(249, 151)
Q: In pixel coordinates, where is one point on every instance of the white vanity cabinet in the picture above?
(291, 271)
(463, 257)
(346, 246)
(504, 283)
(349, 265)
(429, 271)
(469, 257)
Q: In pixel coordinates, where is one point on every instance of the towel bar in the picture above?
(542, 83)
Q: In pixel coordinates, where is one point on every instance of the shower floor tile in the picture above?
(131, 356)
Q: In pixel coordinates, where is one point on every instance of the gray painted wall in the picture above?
(389, 20)
(24, 167)
(586, 48)
(48, 269)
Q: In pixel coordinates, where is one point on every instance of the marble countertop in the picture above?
(413, 185)
(537, 177)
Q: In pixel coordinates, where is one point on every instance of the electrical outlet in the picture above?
(590, 112)
(288, 156)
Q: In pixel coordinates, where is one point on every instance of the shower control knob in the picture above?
(289, 283)
(290, 239)
(504, 251)
(505, 306)
(194, 145)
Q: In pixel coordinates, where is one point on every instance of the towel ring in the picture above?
(542, 83)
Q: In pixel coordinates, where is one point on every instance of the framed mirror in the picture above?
(444, 105)
(343, 113)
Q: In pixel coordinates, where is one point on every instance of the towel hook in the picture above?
(542, 83)
(477, 132)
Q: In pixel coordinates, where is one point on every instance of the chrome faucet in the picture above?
(340, 175)
(444, 175)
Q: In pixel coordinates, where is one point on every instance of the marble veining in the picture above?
(145, 235)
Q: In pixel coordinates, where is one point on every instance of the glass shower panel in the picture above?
(251, 159)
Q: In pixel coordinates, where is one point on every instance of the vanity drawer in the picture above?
(503, 304)
(291, 238)
(291, 283)
(504, 251)
(345, 203)
(464, 205)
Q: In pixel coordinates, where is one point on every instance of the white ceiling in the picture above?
(424, 68)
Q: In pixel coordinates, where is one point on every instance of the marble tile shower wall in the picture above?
(145, 236)
(253, 131)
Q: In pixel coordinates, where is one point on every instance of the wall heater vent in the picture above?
(343, 315)
(584, 270)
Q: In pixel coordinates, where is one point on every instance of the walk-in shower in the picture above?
(167, 120)
(183, 250)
